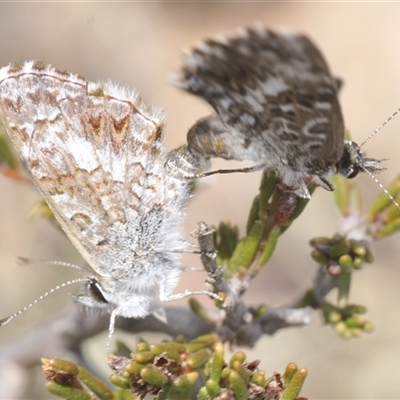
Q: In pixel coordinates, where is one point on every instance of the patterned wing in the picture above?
(95, 153)
(275, 99)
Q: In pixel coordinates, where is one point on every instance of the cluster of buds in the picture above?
(340, 255)
(69, 381)
(347, 320)
(174, 370)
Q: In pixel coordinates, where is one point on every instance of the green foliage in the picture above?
(340, 256)
(172, 370)
(272, 212)
(346, 320)
(71, 382)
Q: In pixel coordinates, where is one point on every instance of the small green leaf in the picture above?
(270, 246)
(68, 393)
(59, 364)
(254, 214)
(95, 385)
(198, 358)
(259, 378)
(199, 310)
(344, 286)
(290, 371)
(240, 368)
(213, 388)
(154, 376)
(120, 381)
(246, 249)
(203, 394)
(346, 263)
(383, 200)
(293, 389)
(226, 239)
(213, 367)
(134, 368)
(202, 341)
(238, 356)
(182, 387)
(124, 394)
(388, 229)
(339, 248)
(144, 357)
(269, 181)
(239, 386)
(142, 346)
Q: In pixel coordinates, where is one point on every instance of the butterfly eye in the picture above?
(94, 289)
(354, 172)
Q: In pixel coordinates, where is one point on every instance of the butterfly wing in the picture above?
(275, 98)
(96, 155)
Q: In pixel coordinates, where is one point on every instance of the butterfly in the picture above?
(95, 153)
(276, 104)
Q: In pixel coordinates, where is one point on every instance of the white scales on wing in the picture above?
(95, 152)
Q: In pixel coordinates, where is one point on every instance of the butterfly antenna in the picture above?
(382, 187)
(380, 127)
(31, 261)
(111, 331)
(6, 320)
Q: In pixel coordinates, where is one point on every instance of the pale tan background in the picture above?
(138, 44)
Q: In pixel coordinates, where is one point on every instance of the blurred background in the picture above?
(139, 45)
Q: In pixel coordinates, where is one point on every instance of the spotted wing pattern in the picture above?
(275, 99)
(95, 152)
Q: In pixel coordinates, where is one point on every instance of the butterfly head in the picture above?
(93, 296)
(112, 296)
(354, 161)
